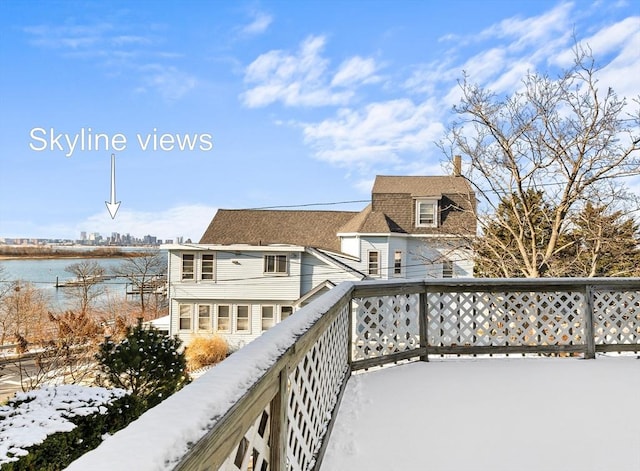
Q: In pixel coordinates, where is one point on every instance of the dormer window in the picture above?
(427, 213)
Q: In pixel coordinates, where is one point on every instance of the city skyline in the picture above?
(95, 238)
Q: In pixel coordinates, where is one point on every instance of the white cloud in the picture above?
(168, 81)
(532, 31)
(355, 70)
(380, 132)
(259, 25)
(118, 51)
(302, 78)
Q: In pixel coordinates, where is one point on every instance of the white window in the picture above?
(426, 213)
(185, 317)
(285, 311)
(275, 264)
(447, 269)
(374, 263)
(204, 317)
(207, 266)
(224, 318)
(243, 319)
(397, 263)
(188, 266)
(268, 319)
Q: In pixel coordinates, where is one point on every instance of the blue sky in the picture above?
(304, 102)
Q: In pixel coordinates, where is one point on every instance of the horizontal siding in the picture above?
(234, 338)
(316, 271)
(238, 276)
(379, 244)
(426, 256)
(350, 246)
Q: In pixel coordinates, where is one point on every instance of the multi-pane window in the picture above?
(275, 264)
(207, 266)
(374, 263)
(242, 319)
(426, 213)
(188, 266)
(204, 317)
(285, 311)
(268, 319)
(397, 263)
(224, 318)
(184, 319)
(447, 269)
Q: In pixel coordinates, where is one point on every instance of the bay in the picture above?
(43, 274)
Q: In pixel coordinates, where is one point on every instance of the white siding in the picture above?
(426, 256)
(374, 243)
(237, 276)
(316, 271)
(350, 245)
(234, 337)
(397, 244)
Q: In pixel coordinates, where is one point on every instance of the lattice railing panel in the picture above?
(314, 387)
(616, 317)
(385, 325)
(252, 453)
(505, 319)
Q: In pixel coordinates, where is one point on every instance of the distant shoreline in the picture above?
(47, 253)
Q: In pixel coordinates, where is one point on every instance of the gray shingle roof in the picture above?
(263, 227)
(421, 185)
(391, 210)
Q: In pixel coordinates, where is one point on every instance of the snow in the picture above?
(162, 435)
(45, 411)
(529, 414)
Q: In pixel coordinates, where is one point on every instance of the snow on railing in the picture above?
(270, 405)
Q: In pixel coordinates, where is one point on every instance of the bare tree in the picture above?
(147, 275)
(23, 313)
(87, 285)
(564, 137)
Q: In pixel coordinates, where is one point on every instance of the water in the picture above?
(43, 273)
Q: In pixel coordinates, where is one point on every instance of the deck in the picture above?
(525, 414)
(281, 402)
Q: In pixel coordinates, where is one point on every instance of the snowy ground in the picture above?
(491, 414)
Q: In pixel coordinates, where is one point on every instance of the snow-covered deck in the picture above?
(271, 404)
(491, 414)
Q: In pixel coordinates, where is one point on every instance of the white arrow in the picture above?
(112, 206)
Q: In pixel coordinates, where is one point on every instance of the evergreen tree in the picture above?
(604, 244)
(514, 237)
(146, 362)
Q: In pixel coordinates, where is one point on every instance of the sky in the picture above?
(192, 106)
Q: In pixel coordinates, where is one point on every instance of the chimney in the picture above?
(457, 166)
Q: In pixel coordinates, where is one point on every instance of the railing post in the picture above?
(590, 350)
(423, 312)
(351, 332)
(279, 424)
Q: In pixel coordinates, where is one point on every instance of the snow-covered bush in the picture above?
(48, 428)
(146, 363)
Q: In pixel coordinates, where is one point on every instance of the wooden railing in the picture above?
(284, 419)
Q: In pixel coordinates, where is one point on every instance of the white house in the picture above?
(253, 268)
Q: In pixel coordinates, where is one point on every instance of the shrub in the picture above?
(205, 351)
(69, 421)
(146, 363)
